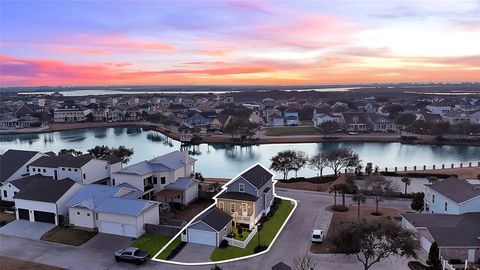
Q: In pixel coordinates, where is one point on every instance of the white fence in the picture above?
(244, 243)
(427, 167)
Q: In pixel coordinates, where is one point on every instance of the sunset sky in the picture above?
(238, 42)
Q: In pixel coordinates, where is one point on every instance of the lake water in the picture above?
(223, 160)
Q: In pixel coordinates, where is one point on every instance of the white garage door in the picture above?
(117, 228)
(202, 237)
(425, 243)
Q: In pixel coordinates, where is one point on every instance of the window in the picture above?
(63, 169)
(88, 214)
(76, 170)
(44, 170)
(155, 180)
(33, 169)
(78, 213)
(433, 198)
(241, 187)
(244, 207)
(15, 193)
(96, 215)
(28, 169)
(232, 208)
(84, 176)
(162, 180)
(69, 169)
(221, 205)
(446, 206)
(4, 193)
(113, 182)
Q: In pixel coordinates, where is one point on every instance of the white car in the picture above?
(317, 236)
(352, 133)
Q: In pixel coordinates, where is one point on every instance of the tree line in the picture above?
(337, 160)
(100, 151)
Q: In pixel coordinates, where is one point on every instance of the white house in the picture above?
(71, 114)
(84, 169)
(45, 200)
(12, 187)
(151, 176)
(13, 164)
(321, 118)
(454, 117)
(452, 196)
(439, 109)
(112, 209)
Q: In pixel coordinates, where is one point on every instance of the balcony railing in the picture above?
(243, 219)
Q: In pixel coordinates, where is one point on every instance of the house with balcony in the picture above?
(243, 201)
(154, 175)
(71, 114)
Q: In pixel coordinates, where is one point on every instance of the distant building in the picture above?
(71, 114)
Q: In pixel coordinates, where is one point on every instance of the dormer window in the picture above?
(241, 187)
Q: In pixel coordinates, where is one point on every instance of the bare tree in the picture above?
(318, 162)
(342, 158)
(379, 187)
(305, 262)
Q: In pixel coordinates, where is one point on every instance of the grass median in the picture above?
(151, 243)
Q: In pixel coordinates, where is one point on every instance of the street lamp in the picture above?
(258, 231)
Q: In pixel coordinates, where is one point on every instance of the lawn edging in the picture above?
(292, 201)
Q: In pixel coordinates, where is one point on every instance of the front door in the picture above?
(471, 255)
(244, 209)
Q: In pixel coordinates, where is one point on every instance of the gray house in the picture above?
(209, 228)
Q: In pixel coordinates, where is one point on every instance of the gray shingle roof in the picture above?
(455, 189)
(257, 176)
(170, 161)
(23, 182)
(241, 196)
(66, 160)
(182, 183)
(12, 160)
(215, 218)
(45, 189)
(122, 206)
(449, 230)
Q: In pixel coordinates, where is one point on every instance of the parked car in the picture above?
(218, 132)
(317, 236)
(352, 133)
(132, 254)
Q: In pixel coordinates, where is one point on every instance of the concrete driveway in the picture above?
(108, 242)
(194, 253)
(26, 229)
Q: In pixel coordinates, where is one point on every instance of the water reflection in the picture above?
(225, 160)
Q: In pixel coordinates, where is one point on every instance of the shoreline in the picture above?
(226, 139)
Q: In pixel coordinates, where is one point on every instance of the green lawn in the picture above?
(166, 251)
(151, 243)
(268, 232)
(285, 131)
(245, 233)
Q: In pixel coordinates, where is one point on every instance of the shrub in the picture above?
(240, 231)
(176, 250)
(258, 249)
(223, 244)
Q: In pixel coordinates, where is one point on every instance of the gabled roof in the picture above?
(66, 160)
(12, 160)
(449, 230)
(182, 183)
(456, 190)
(23, 182)
(92, 195)
(257, 176)
(123, 206)
(44, 189)
(240, 196)
(215, 218)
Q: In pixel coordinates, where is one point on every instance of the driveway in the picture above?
(194, 253)
(108, 242)
(26, 229)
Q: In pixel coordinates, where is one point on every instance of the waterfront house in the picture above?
(320, 118)
(112, 209)
(45, 200)
(291, 117)
(27, 121)
(83, 169)
(454, 117)
(429, 117)
(452, 196)
(355, 121)
(116, 114)
(152, 176)
(220, 121)
(14, 164)
(71, 114)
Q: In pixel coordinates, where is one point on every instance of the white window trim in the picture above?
(241, 187)
(232, 209)
(221, 205)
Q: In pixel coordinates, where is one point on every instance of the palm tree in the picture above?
(407, 182)
(432, 179)
(359, 198)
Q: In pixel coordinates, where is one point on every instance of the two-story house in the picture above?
(152, 176)
(452, 196)
(291, 117)
(84, 169)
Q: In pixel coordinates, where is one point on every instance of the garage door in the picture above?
(202, 237)
(117, 228)
(46, 217)
(23, 214)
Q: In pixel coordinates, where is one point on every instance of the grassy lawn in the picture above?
(285, 131)
(245, 233)
(166, 252)
(268, 232)
(68, 236)
(151, 243)
(351, 216)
